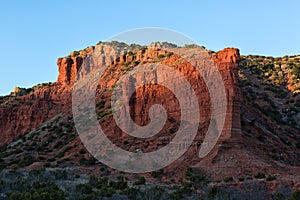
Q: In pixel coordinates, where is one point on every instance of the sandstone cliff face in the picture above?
(29, 111)
(226, 62)
(68, 69)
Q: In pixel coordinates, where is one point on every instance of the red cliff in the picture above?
(27, 112)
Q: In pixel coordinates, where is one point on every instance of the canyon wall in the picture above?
(29, 111)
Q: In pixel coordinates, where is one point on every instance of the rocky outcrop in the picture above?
(29, 111)
(68, 68)
(19, 91)
(227, 61)
(25, 113)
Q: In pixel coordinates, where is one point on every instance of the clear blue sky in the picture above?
(35, 33)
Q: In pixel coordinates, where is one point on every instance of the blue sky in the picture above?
(35, 33)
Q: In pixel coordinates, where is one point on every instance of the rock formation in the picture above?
(25, 113)
(251, 141)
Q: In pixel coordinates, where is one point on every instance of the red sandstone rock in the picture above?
(234, 155)
(31, 110)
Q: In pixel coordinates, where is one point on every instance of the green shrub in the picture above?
(126, 64)
(157, 173)
(241, 179)
(271, 178)
(278, 196)
(58, 144)
(169, 54)
(3, 148)
(27, 160)
(135, 63)
(182, 192)
(83, 161)
(60, 174)
(130, 53)
(60, 154)
(191, 46)
(296, 89)
(196, 180)
(74, 53)
(228, 179)
(295, 195)
(91, 161)
(121, 184)
(102, 113)
(141, 181)
(130, 192)
(107, 192)
(171, 120)
(173, 130)
(14, 195)
(38, 191)
(160, 56)
(297, 104)
(101, 104)
(47, 164)
(84, 188)
(260, 176)
(82, 151)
